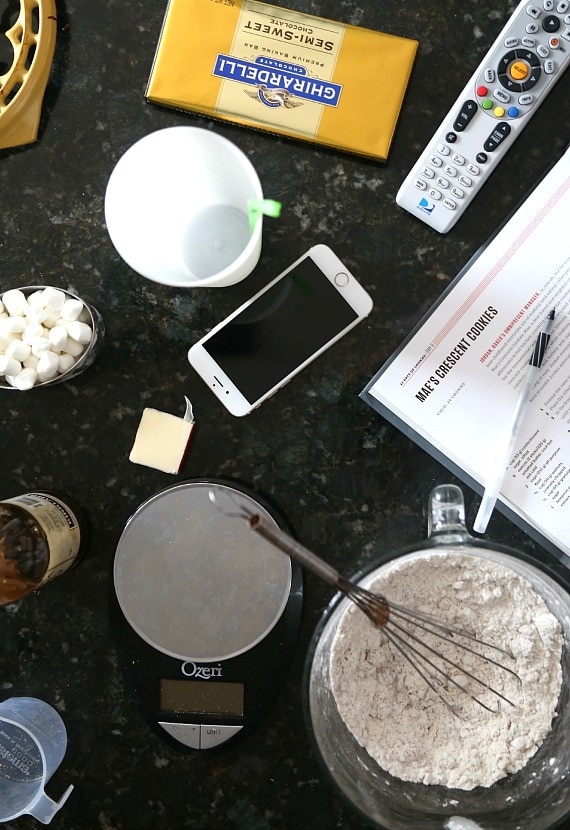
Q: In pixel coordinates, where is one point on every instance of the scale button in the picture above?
(187, 733)
(212, 735)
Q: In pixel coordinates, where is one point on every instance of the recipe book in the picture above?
(452, 385)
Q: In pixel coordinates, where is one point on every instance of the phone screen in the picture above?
(284, 327)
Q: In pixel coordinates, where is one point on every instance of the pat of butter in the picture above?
(283, 71)
(161, 441)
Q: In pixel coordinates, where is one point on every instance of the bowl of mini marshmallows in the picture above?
(48, 335)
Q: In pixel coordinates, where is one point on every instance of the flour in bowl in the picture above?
(401, 722)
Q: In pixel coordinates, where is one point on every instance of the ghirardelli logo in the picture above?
(191, 669)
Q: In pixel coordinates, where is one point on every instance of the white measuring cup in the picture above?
(33, 741)
(176, 209)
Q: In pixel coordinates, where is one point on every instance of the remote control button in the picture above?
(487, 104)
(513, 112)
(502, 96)
(427, 173)
(528, 56)
(441, 182)
(465, 181)
(498, 112)
(443, 149)
(435, 194)
(519, 70)
(567, 18)
(449, 204)
(507, 59)
(548, 5)
(420, 184)
(534, 12)
(451, 138)
(526, 99)
(457, 193)
(481, 158)
(562, 6)
(435, 161)
(532, 28)
(529, 42)
(566, 34)
(554, 43)
(511, 41)
(549, 66)
(551, 23)
(449, 171)
(467, 112)
(473, 170)
(482, 91)
(497, 137)
(543, 50)
(489, 76)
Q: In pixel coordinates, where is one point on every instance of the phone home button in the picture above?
(341, 279)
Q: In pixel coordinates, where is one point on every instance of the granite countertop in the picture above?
(349, 484)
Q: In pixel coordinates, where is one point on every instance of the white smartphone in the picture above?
(256, 350)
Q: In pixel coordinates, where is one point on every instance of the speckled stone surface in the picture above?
(349, 484)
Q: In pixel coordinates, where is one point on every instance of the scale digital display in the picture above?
(193, 696)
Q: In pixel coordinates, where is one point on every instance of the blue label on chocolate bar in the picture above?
(276, 83)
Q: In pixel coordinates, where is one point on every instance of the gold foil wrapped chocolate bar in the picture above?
(284, 72)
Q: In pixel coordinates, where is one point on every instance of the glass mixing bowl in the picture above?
(537, 797)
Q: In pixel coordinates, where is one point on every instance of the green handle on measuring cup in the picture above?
(259, 207)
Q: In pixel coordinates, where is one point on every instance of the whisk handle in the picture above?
(296, 551)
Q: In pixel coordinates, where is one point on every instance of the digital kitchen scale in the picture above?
(205, 614)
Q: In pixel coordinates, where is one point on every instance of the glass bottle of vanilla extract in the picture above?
(42, 535)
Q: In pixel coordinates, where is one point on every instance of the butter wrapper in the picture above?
(284, 72)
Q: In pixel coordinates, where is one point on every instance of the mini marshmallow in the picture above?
(36, 314)
(48, 366)
(15, 302)
(71, 310)
(18, 350)
(57, 336)
(80, 332)
(66, 361)
(32, 331)
(24, 380)
(74, 348)
(31, 362)
(9, 365)
(52, 318)
(12, 325)
(40, 345)
(36, 298)
(53, 298)
(5, 341)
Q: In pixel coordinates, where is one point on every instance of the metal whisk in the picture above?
(403, 627)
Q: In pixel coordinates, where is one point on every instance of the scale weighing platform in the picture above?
(205, 615)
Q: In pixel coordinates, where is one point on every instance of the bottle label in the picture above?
(61, 527)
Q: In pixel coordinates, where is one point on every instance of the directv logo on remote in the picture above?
(425, 206)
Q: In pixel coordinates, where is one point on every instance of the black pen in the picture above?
(493, 485)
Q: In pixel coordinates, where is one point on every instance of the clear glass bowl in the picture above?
(535, 798)
(91, 351)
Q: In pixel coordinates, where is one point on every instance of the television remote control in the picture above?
(517, 73)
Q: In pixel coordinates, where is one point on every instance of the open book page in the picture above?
(454, 382)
